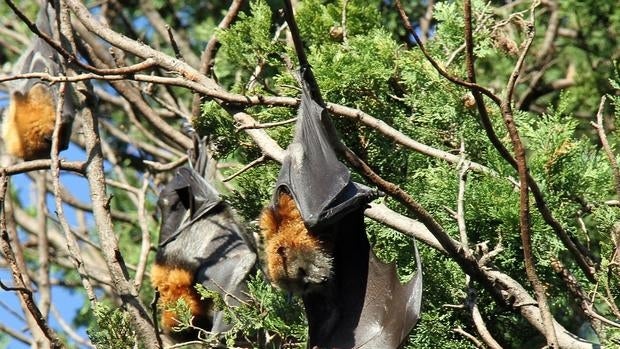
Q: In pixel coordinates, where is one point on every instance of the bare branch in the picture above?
(600, 129)
(145, 245)
(460, 210)
(481, 327)
(43, 253)
(109, 242)
(524, 213)
(267, 124)
(43, 164)
(253, 163)
(208, 55)
(469, 336)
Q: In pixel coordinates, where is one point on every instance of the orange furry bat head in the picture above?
(29, 124)
(296, 259)
(173, 284)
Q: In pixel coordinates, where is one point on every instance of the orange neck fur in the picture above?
(173, 284)
(29, 123)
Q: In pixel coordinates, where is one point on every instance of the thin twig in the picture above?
(600, 129)
(120, 185)
(469, 336)
(173, 42)
(145, 245)
(206, 60)
(143, 146)
(16, 334)
(463, 167)
(253, 163)
(10, 310)
(155, 317)
(43, 271)
(166, 167)
(70, 331)
(343, 21)
(266, 125)
(488, 256)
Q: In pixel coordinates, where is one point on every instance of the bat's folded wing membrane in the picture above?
(391, 309)
(319, 183)
(186, 199)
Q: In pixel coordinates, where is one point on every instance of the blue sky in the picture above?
(67, 302)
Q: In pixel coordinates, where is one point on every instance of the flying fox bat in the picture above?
(200, 241)
(315, 245)
(29, 123)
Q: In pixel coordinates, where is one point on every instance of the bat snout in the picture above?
(301, 270)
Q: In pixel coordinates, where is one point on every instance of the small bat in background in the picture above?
(315, 245)
(200, 241)
(29, 122)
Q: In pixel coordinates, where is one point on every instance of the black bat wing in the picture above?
(368, 307)
(185, 200)
(226, 270)
(174, 203)
(318, 182)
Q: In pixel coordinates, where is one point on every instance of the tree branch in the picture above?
(579, 252)
(208, 55)
(600, 129)
(524, 212)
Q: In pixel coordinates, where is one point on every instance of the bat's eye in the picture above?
(281, 250)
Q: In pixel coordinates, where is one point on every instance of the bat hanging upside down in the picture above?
(28, 125)
(200, 242)
(315, 245)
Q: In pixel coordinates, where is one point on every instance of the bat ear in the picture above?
(18, 96)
